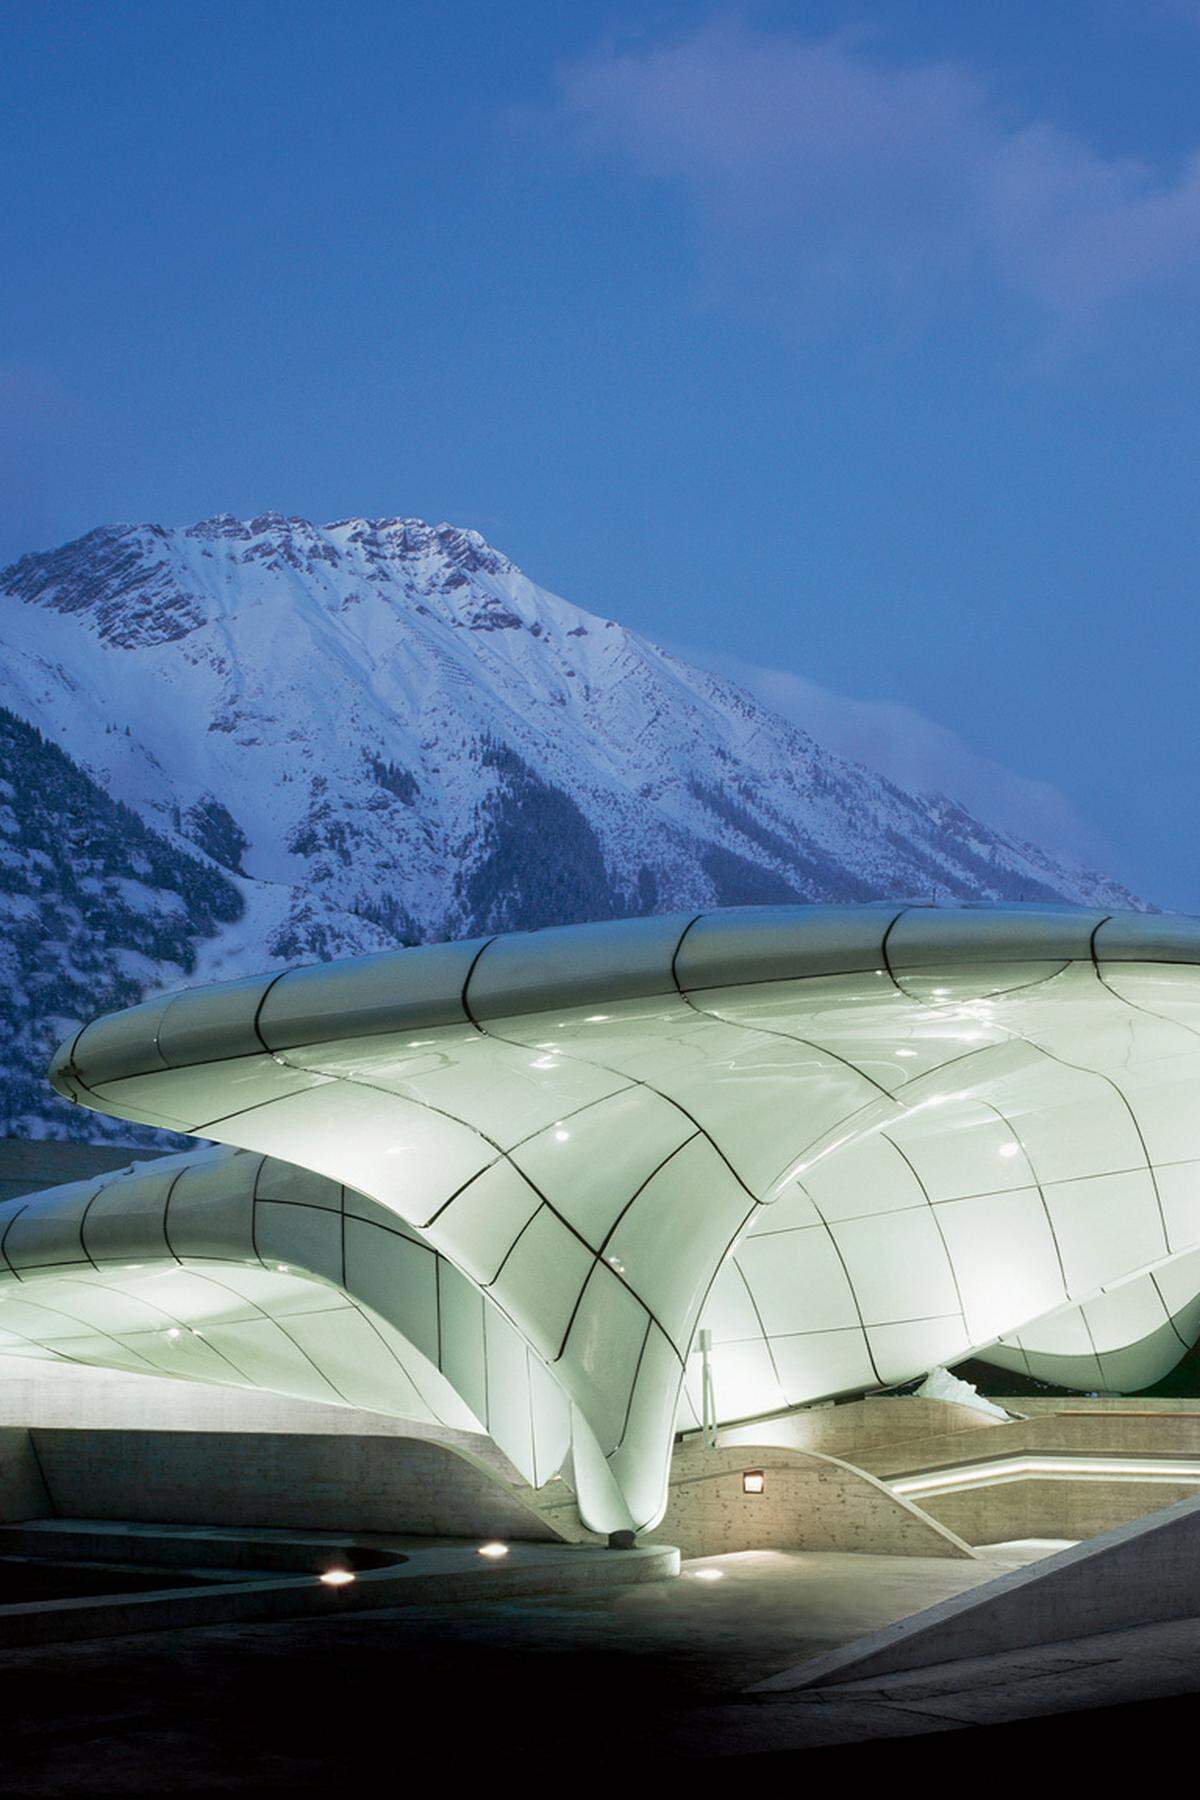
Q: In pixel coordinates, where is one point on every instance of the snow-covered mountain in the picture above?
(267, 741)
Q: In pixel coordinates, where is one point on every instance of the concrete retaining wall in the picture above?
(1068, 1505)
(301, 1481)
(1060, 1507)
(1034, 1405)
(877, 1424)
(73, 1397)
(809, 1502)
(1131, 1430)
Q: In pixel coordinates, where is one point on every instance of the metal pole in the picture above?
(708, 1398)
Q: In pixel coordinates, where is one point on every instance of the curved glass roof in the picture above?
(854, 1142)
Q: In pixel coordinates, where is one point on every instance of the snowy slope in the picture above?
(383, 731)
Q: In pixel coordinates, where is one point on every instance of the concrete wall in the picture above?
(23, 1492)
(1036, 1405)
(878, 1423)
(303, 1481)
(1132, 1430)
(1138, 1574)
(71, 1396)
(809, 1502)
(885, 1436)
(1060, 1507)
(1063, 1506)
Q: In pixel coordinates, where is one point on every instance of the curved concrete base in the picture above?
(306, 1481)
(808, 1502)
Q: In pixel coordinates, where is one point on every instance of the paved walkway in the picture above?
(1090, 1681)
(639, 1673)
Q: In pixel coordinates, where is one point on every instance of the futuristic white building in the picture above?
(503, 1184)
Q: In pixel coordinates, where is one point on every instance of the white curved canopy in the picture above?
(858, 1141)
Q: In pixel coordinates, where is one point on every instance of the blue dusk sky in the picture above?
(849, 347)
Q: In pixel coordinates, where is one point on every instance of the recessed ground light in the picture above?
(754, 1481)
(561, 1137)
(707, 1574)
(173, 1332)
(337, 1577)
(493, 1550)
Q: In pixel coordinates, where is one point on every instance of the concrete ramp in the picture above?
(1139, 1574)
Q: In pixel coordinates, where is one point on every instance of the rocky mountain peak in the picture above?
(380, 731)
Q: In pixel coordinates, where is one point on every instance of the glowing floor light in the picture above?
(493, 1550)
(337, 1577)
(754, 1481)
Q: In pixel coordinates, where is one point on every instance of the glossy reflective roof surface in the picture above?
(854, 1142)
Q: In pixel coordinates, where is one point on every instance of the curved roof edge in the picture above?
(467, 983)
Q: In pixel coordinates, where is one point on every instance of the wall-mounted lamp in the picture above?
(754, 1481)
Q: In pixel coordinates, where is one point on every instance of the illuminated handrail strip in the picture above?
(1047, 1468)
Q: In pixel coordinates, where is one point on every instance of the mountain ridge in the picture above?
(381, 731)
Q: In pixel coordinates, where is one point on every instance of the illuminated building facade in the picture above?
(505, 1184)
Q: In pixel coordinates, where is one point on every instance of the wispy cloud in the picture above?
(831, 182)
